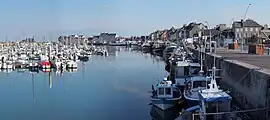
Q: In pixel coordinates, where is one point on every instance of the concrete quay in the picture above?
(246, 76)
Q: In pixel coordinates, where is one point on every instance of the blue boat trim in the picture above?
(193, 108)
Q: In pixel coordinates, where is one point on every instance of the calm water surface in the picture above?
(111, 88)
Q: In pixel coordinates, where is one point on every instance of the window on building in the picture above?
(251, 29)
(241, 29)
(237, 29)
(256, 29)
(246, 29)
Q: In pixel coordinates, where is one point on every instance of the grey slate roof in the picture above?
(206, 32)
(247, 23)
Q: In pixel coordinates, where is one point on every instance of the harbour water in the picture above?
(104, 88)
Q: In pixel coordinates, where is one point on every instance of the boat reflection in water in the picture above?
(59, 72)
(46, 70)
(169, 114)
(74, 70)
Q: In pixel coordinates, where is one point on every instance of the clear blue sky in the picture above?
(125, 17)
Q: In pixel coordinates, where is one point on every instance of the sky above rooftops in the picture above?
(52, 18)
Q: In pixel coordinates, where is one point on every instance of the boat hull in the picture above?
(84, 58)
(190, 101)
(169, 114)
(71, 66)
(164, 104)
(45, 67)
(118, 44)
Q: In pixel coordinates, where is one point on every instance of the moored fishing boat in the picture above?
(166, 95)
(193, 86)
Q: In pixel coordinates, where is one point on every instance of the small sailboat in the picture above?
(71, 64)
(158, 47)
(146, 45)
(166, 95)
(83, 57)
(58, 63)
(7, 65)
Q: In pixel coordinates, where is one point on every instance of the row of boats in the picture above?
(46, 56)
(190, 82)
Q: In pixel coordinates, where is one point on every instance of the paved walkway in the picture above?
(243, 56)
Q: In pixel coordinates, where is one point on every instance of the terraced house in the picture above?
(192, 30)
(246, 29)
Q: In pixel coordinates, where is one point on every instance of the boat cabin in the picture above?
(212, 102)
(165, 89)
(197, 81)
(186, 68)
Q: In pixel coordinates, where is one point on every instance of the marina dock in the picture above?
(245, 76)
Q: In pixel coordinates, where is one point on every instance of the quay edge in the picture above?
(248, 85)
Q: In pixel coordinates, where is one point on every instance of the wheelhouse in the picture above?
(198, 81)
(165, 90)
(185, 68)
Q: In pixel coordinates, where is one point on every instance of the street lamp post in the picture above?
(242, 41)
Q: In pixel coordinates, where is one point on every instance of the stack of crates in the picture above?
(256, 49)
(232, 45)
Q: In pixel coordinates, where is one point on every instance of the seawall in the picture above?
(248, 84)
